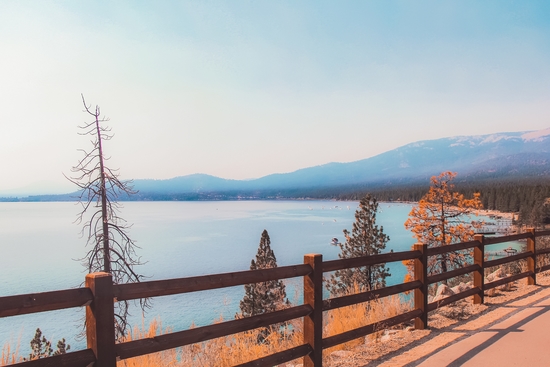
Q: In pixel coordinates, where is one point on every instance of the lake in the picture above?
(40, 247)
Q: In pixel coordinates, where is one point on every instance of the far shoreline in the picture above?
(34, 199)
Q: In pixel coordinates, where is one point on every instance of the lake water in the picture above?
(40, 244)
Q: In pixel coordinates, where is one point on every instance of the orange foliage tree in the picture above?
(441, 218)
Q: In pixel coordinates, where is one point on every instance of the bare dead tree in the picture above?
(110, 249)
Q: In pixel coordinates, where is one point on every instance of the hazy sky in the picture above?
(242, 89)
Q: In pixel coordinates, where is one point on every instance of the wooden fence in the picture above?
(99, 294)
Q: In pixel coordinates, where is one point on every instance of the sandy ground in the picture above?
(503, 215)
(408, 347)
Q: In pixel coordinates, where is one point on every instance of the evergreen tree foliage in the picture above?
(263, 297)
(42, 347)
(365, 239)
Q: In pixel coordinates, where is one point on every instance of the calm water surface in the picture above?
(40, 246)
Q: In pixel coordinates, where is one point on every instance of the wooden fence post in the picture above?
(532, 260)
(479, 276)
(421, 294)
(100, 319)
(313, 324)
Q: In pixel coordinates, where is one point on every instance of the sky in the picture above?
(242, 89)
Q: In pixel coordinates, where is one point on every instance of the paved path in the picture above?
(517, 334)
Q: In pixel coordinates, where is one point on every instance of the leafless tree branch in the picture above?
(110, 247)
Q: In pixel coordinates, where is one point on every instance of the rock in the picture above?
(340, 354)
(506, 287)
(491, 292)
(496, 275)
(388, 335)
(461, 287)
(385, 338)
(409, 328)
(442, 291)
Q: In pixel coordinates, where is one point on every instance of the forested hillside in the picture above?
(528, 197)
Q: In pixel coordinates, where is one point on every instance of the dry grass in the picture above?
(243, 347)
(168, 358)
(351, 317)
(240, 348)
(10, 356)
(226, 351)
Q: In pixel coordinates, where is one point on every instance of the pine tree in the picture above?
(263, 297)
(365, 239)
(42, 347)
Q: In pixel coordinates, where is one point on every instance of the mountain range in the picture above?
(508, 155)
(503, 155)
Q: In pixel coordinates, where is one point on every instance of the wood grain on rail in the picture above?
(45, 301)
(206, 282)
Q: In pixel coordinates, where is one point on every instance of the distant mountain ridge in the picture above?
(507, 154)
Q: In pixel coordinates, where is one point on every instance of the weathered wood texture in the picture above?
(357, 262)
(543, 251)
(451, 248)
(206, 282)
(313, 323)
(100, 319)
(542, 233)
(46, 301)
(507, 259)
(531, 260)
(453, 273)
(513, 237)
(479, 275)
(421, 294)
(332, 303)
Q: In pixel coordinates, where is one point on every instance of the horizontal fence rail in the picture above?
(206, 282)
(333, 303)
(513, 237)
(178, 339)
(356, 262)
(45, 301)
(99, 295)
(451, 248)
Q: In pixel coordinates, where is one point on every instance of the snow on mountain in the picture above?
(539, 135)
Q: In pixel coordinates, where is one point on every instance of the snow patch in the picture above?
(462, 139)
(494, 138)
(538, 135)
